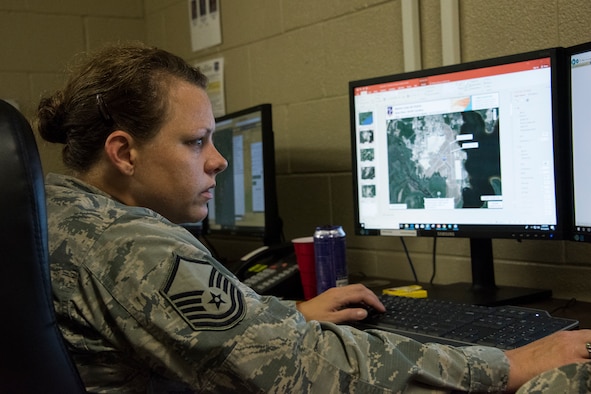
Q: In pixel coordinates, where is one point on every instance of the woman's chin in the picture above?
(199, 214)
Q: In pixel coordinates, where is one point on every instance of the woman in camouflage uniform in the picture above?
(146, 308)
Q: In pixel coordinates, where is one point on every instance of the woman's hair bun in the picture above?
(51, 119)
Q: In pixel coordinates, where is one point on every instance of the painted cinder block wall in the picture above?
(300, 55)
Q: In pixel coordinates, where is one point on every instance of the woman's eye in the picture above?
(197, 142)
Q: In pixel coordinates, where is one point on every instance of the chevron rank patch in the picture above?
(218, 306)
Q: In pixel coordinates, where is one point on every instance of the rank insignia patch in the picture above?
(218, 306)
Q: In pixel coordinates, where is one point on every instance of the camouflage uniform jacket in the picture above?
(146, 308)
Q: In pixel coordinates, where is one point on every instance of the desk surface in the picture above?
(571, 309)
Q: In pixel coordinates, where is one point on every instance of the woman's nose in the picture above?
(218, 162)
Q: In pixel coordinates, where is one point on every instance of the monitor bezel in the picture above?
(560, 153)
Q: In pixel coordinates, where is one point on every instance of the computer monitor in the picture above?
(245, 199)
(579, 58)
(468, 150)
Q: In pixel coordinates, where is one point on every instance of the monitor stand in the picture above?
(483, 290)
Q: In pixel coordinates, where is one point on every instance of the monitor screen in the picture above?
(245, 202)
(580, 99)
(468, 150)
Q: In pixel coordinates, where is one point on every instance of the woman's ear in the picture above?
(119, 148)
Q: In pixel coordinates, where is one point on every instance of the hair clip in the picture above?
(103, 110)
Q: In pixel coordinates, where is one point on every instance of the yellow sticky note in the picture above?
(413, 291)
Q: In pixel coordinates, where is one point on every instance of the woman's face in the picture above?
(175, 171)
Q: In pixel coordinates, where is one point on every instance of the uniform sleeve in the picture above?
(163, 301)
(281, 350)
(572, 378)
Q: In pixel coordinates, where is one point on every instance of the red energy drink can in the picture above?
(330, 254)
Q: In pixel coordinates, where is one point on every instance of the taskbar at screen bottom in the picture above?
(537, 231)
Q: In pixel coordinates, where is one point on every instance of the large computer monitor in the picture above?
(579, 58)
(245, 199)
(469, 150)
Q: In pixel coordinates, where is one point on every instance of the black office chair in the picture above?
(33, 355)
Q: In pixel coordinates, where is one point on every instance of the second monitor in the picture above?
(245, 200)
(580, 96)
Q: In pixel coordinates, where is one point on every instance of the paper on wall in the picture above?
(205, 23)
(214, 70)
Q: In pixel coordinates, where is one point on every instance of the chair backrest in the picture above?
(33, 355)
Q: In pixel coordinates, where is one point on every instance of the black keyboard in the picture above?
(452, 323)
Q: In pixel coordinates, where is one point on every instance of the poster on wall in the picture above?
(214, 71)
(205, 23)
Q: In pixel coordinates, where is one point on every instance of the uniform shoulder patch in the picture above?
(203, 296)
